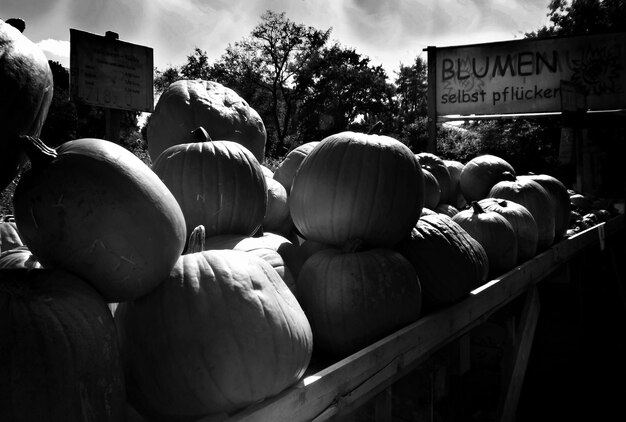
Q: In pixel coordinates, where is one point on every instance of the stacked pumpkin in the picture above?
(357, 195)
(59, 354)
(226, 312)
(60, 357)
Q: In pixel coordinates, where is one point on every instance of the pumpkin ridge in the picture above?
(227, 299)
(206, 287)
(276, 354)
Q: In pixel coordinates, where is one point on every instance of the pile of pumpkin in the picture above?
(223, 278)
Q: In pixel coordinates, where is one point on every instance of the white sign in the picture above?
(525, 76)
(110, 73)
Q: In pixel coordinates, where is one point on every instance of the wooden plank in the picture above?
(336, 388)
(515, 379)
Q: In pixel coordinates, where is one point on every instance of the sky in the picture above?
(389, 33)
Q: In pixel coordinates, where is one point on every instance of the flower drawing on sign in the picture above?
(597, 70)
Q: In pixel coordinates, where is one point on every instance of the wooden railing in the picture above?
(344, 385)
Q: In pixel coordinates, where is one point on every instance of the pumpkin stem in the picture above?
(200, 134)
(196, 240)
(259, 232)
(375, 130)
(477, 208)
(39, 154)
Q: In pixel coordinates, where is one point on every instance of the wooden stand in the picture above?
(436, 347)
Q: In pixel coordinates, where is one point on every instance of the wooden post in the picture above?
(432, 103)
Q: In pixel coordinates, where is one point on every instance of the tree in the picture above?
(579, 17)
(60, 125)
(163, 79)
(197, 66)
(269, 61)
(411, 95)
(411, 90)
(339, 90)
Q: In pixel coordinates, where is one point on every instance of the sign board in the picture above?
(524, 76)
(110, 73)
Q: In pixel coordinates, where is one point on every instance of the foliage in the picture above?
(339, 90)
(411, 93)
(61, 122)
(579, 17)
(269, 61)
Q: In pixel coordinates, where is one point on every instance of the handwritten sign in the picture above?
(110, 73)
(524, 76)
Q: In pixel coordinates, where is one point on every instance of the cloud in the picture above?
(56, 50)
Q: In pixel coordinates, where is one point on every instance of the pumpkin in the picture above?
(432, 191)
(353, 298)
(480, 174)
(428, 211)
(456, 196)
(188, 104)
(561, 199)
(18, 257)
(448, 261)
(521, 220)
(288, 167)
(59, 354)
(438, 168)
(26, 89)
(218, 184)
(277, 218)
(267, 171)
(9, 236)
(306, 249)
(536, 199)
(93, 208)
(446, 209)
(494, 233)
(223, 331)
(258, 246)
(357, 186)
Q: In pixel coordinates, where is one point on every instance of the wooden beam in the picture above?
(331, 391)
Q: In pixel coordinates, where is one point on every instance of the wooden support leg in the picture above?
(383, 406)
(515, 373)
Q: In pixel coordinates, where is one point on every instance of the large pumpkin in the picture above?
(536, 199)
(521, 220)
(494, 233)
(561, 199)
(480, 174)
(188, 104)
(223, 331)
(288, 167)
(439, 169)
(448, 261)
(95, 209)
(357, 186)
(26, 89)
(354, 298)
(59, 353)
(218, 184)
